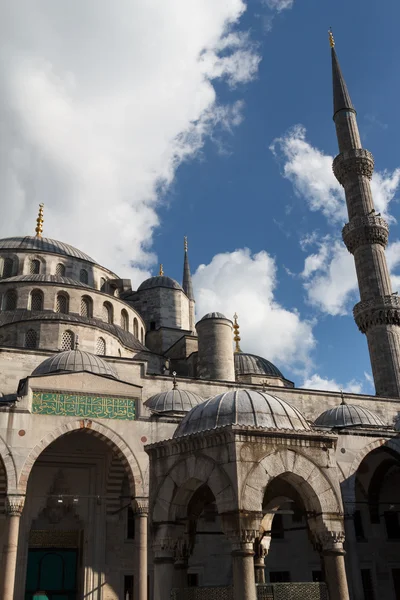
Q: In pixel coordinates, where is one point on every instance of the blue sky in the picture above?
(203, 119)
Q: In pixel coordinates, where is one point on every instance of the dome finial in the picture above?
(343, 402)
(161, 271)
(331, 38)
(236, 336)
(76, 342)
(174, 382)
(39, 221)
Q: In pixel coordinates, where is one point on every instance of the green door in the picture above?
(54, 572)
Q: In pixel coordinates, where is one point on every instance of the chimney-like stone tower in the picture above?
(366, 236)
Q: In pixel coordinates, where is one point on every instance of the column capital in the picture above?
(15, 504)
(140, 505)
(331, 542)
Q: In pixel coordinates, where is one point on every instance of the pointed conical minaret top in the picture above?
(187, 278)
(341, 96)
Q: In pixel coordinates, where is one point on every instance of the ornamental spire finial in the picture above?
(236, 336)
(161, 271)
(39, 221)
(331, 38)
(185, 243)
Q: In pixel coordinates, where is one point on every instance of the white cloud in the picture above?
(316, 382)
(279, 5)
(245, 283)
(98, 107)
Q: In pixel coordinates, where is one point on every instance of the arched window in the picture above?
(10, 300)
(62, 303)
(142, 335)
(83, 276)
(8, 268)
(107, 312)
(124, 320)
(101, 346)
(31, 339)
(136, 328)
(86, 306)
(60, 270)
(102, 284)
(67, 340)
(115, 291)
(36, 302)
(34, 267)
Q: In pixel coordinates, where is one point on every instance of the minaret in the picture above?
(366, 237)
(187, 284)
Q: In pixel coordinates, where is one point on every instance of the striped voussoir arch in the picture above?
(115, 480)
(120, 449)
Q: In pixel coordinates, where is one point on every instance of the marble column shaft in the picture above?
(244, 584)
(15, 506)
(141, 518)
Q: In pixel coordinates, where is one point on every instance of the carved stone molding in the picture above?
(140, 506)
(383, 310)
(353, 162)
(365, 230)
(15, 505)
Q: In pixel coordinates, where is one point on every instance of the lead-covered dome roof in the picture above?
(175, 400)
(75, 361)
(348, 415)
(160, 281)
(247, 408)
(213, 315)
(246, 364)
(41, 244)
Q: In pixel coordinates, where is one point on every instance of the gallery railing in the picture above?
(273, 591)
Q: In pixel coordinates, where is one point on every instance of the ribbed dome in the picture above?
(251, 364)
(213, 315)
(75, 361)
(348, 415)
(173, 401)
(159, 281)
(42, 245)
(248, 408)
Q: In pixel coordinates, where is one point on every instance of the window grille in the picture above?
(67, 340)
(83, 276)
(101, 346)
(62, 304)
(124, 320)
(135, 328)
(34, 268)
(10, 301)
(31, 339)
(60, 270)
(8, 268)
(86, 307)
(37, 300)
(107, 312)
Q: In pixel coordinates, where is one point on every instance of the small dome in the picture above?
(251, 364)
(348, 415)
(213, 315)
(75, 361)
(159, 281)
(173, 401)
(248, 408)
(41, 244)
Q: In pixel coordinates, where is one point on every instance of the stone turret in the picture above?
(366, 237)
(215, 357)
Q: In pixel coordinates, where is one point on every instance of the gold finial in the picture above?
(185, 244)
(174, 382)
(161, 272)
(343, 402)
(236, 336)
(331, 38)
(39, 221)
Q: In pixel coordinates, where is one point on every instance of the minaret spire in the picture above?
(187, 277)
(366, 237)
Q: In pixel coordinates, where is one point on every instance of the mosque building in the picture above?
(144, 456)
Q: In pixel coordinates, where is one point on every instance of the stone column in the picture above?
(181, 562)
(164, 572)
(141, 509)
(15, 505)
(353, 564)
(244, 583)
(331, 544)
(261, 547)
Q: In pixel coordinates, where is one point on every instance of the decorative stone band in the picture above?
(331, 541)
(140, 506)
(365, 230)
(383, 310)
(15, 505)
(356, 161)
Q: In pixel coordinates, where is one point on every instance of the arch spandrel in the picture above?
(110, 437)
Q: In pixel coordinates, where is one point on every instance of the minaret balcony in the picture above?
(382, 310)
(356, 161)
(362, 231)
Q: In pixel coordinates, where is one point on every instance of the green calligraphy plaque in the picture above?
(80, 405)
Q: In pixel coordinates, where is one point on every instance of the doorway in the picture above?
(54, 571)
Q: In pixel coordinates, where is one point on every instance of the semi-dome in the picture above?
(348, 415)
(75, 361)
(175, 400)
(248, 408)
(213, 315)
(251, 364)
(159, 281)
(41, 244)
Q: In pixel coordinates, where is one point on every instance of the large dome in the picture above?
(348, 415)
(41, 244)
(252, 364)
(159, 281)
(75, 361)
(175, 400)
(248, 408)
